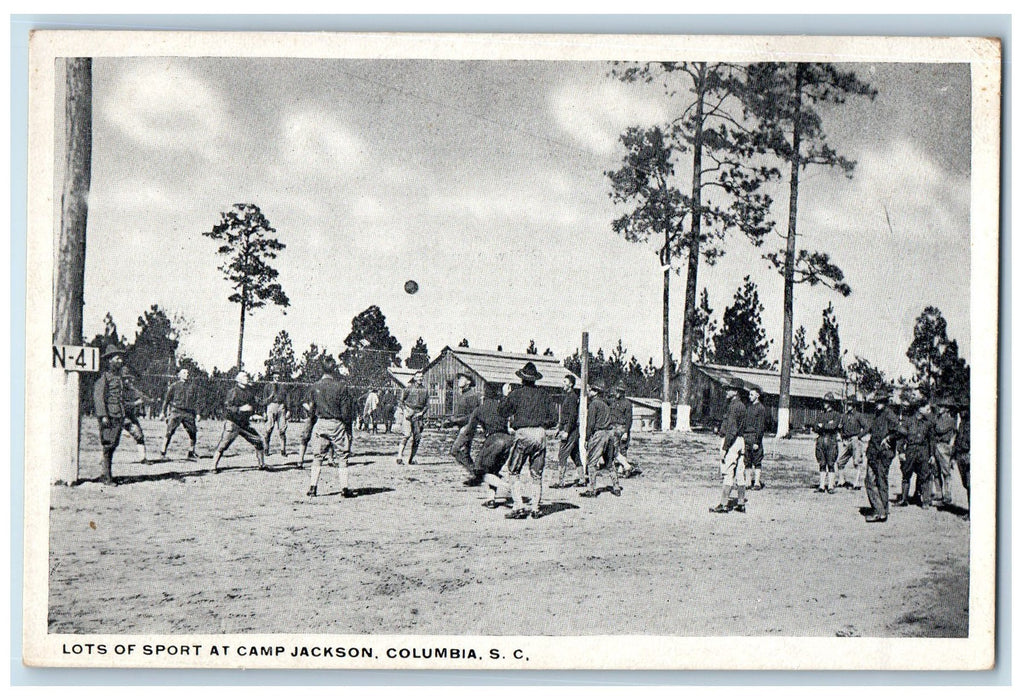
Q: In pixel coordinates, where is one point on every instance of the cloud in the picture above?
(163, 105)
(594, 117)
(314, 140)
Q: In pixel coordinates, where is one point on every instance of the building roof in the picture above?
(401, 375)
(645, 402)
(808, 386)
(500, 367)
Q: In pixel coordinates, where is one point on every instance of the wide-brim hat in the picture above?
(529, 373)
(597, 387)
(620, 386)
(112, 351)
(732, 384)
(829, 397)
(467, 376)
(754, 387)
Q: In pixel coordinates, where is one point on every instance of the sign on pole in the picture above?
(76, 358)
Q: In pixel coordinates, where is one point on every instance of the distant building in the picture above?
(645, 414)
(486, 367)
(807, 391)
(399, 376)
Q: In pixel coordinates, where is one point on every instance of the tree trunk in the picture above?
(69, 282)
(665, 404)
(691, 278)
(241, 330)
(784, 400)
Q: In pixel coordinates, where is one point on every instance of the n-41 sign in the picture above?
(75, 358)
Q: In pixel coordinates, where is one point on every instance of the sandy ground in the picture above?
(174, 549)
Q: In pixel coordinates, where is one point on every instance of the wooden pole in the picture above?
(583, 400)
(69, 282)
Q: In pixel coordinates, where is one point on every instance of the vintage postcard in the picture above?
(503, 352)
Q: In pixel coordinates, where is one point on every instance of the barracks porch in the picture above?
(807, 392)
(485, 367)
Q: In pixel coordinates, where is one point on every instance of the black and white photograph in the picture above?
(511, 351)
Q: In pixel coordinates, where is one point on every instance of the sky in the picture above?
(484, 182)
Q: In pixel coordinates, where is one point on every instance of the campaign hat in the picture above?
(111, 350)
(529, 373)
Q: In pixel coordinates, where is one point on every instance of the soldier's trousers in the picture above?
(878, 488)
(943, 474)
(461, 450)
(569, 450)
(917, 461)
(826, 451)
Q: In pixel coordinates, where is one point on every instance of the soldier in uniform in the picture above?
(414, 404)
(239, 407)
(621, 422)
(110, 403)
(496, 448)
(732, 447)
(883, 434)
(529, 411)
(944, 428)
(333, 404)
(180, 401)
(567, 430)
(827, 424)
(755, 428)
(275, 400)
(601, 445)
(960, 451)
(466, 401)
(852, 429)
(917, 457)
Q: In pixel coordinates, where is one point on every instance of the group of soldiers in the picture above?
(926, 438)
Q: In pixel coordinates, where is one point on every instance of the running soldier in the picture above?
(567, 430)
(528, 410)
(466, 401)
(414, 404)
(496, 447)
(917, 458)
(275, 400)
(621, 421)
(755, 428)
(732, 448)
(883, 433)
(944, 428)
(826, 426)
(238, 409)
(181, 402)
(333, 404)
(960, 452)
(601, 445)
(853, 428)
(110, 403)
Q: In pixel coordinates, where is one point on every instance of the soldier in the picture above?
(528, 409)
(852, 428)
(567, 430)
(944, 429)
(732, 447)
(370, 411)
(238, 410)
(601, 446)
(180, 400)
(466, 401)
(307, 427)
(755, 428)
(388, 404)
(333, 404)
(275, 400)
(496, 448)
(826, 442)
(917, 456)
(110, 403)
(621, 422)
(135, 400)
(960, 451)
(883, 434)
(414, 404)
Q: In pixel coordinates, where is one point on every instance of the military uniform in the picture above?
(237, 423)
(414, 403)
(827, 425)
(465, 404)
(944, 429)
(567, 423)
(879, 453)
(275, 400)
(497, 440)
(755, 428)
(960, 452)
(601, 446)
(852, 429)
(621, 420)
(732, 452)
(918, 444)
(110, 405)
(181, 402)
(333, 404)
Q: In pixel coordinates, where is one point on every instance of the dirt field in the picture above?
(175, 549)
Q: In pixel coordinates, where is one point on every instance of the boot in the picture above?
(903, 500)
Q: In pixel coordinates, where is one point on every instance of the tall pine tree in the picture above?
(742, 341)
(826, 360)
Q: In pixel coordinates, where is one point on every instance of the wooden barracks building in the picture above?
(486, 367)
